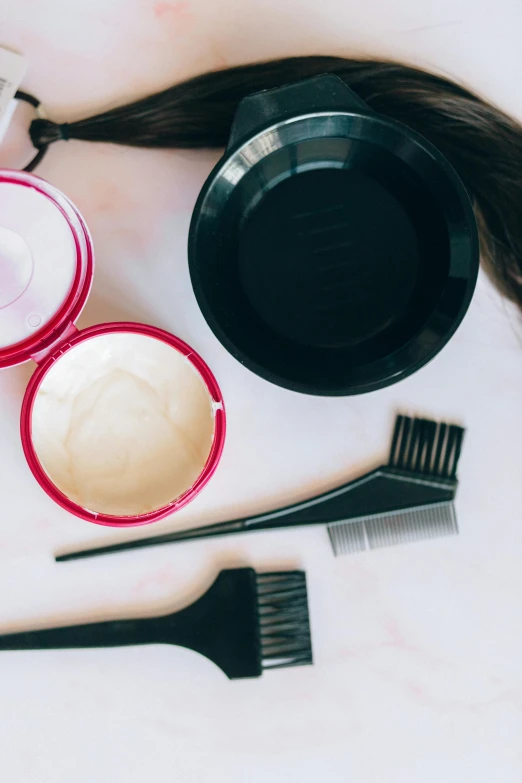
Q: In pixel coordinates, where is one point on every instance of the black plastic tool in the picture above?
(245, 623)
(408, 499)
(332, 250)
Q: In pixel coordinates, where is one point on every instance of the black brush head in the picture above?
(284, 622)
(247, 622)
(427, 447)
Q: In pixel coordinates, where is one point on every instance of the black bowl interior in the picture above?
(330, 266)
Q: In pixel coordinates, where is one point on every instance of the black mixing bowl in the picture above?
(332, 251)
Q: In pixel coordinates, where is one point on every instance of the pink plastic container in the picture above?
(46, 272)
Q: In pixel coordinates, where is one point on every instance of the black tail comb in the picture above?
(390, 504)
(421, 448)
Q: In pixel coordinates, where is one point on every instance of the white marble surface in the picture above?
(418, 650)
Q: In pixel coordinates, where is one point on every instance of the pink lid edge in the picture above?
(152, 516)
(81, 286)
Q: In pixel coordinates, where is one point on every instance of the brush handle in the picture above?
(381, 491)
(173, 628)
(222, 625)
(208, 531)
(115, 633)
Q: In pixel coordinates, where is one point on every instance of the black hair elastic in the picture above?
(20, 95)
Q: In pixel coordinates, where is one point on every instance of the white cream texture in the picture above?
(123, 424)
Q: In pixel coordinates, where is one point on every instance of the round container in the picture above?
(332, 250)
(46, 271)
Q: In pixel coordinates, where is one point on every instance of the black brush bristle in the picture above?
(413, 444)
(404, 437)
(427, 447)
(457, 450)
(396, 441)
(284, 622)
(440, 445)
(420, 457)
(430, 434)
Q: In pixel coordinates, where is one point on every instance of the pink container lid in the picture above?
(46, 266)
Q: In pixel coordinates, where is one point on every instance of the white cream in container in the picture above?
(122, 423)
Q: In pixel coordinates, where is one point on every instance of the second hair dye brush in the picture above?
(246, 623)
(409, 499)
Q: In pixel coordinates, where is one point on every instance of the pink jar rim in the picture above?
(217, 443)
(81, 285)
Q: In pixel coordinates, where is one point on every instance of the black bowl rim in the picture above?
(468, 216)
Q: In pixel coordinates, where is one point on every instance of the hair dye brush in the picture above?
(409, 499)
(244, 623)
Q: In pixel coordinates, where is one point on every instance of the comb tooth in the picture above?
(405, 437)
(414, 442)
(333, 535)
(347, 537)
(458, 449)
(405, 528)
(396, 439)
(400, 527)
